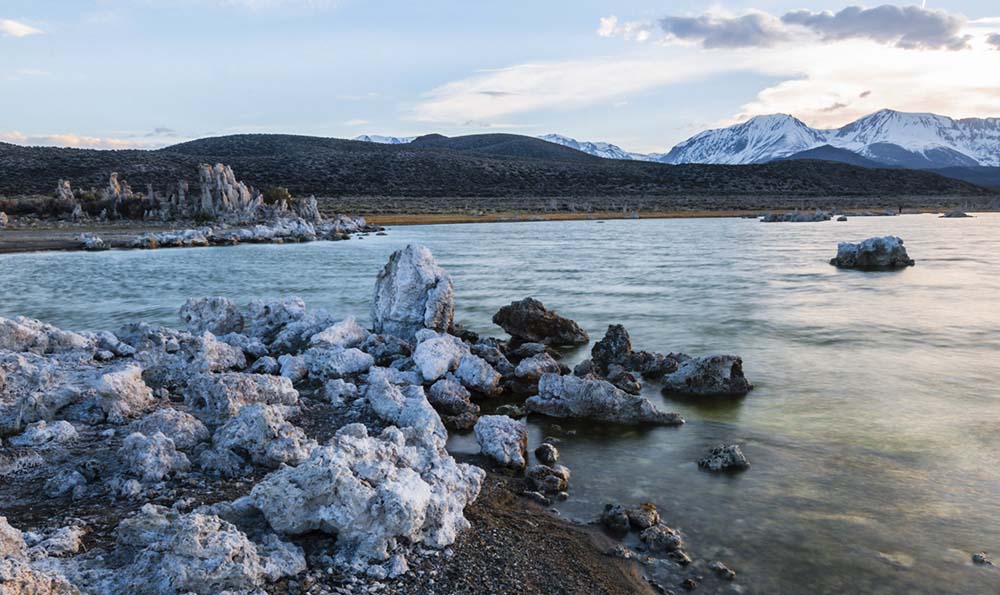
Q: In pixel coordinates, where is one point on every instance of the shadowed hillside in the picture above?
(491, 165)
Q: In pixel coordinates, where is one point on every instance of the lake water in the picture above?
(874, 429)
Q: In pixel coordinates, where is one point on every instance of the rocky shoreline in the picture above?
(277, 449)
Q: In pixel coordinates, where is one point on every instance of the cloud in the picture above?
(833, 108)
(754, 29)
(994, 40)
(161, 131)
(15, 29)
(864, 94)
(76, 141)
(633, 30)
(355, 122)
(907, 27)
(490, 95)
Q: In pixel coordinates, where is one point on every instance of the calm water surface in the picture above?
(874, 430)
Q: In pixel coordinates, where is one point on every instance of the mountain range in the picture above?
(964, 148)
(462, 170)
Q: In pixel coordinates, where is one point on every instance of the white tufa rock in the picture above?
(266, 318)
(152, 458)
(217, 315)
(29, 335)
(372, 491)
(345, 334)
(123, 394)
(41, 433)
(570, 396)
(214, 398)
(412, 292)
(478, 375)
(200, 553)
(503, 439)
(337, 362)
(183, 428)
(261, 432)
(11, 540)
(339, 391)
(532, 368)
(293, 367)
(438, 355)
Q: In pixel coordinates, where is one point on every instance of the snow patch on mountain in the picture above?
(385, 140)
(598, 149)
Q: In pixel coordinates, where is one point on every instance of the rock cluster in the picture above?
(873, 254)
(295, 423)
(796, 217)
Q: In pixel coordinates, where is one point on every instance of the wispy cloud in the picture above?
(491, 95)
(11, 28)
(994, 40)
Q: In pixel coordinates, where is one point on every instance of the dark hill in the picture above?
(507, 145)
(830, 153)
(491, 165)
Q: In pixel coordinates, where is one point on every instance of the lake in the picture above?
(873, 431)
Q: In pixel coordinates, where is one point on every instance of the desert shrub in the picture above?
(276, 194)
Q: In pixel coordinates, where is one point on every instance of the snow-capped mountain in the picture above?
(888, 137)
(759, 139)
(385, 140)
(598, 149)
(885, 138)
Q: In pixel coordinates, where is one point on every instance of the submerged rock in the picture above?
(570, 396)
(724, 457)
(530, 321)
(712, 375)
(874, 253)
(982, 559)
(661, 538)
(955, 214)
(411, 293)
(796, 217)
(503, 439)
(547, 454)
(546, 479)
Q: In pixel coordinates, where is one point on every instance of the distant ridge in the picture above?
(483, 165)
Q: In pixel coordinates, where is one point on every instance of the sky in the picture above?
(641, 74)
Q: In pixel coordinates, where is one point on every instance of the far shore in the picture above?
(63, 236)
